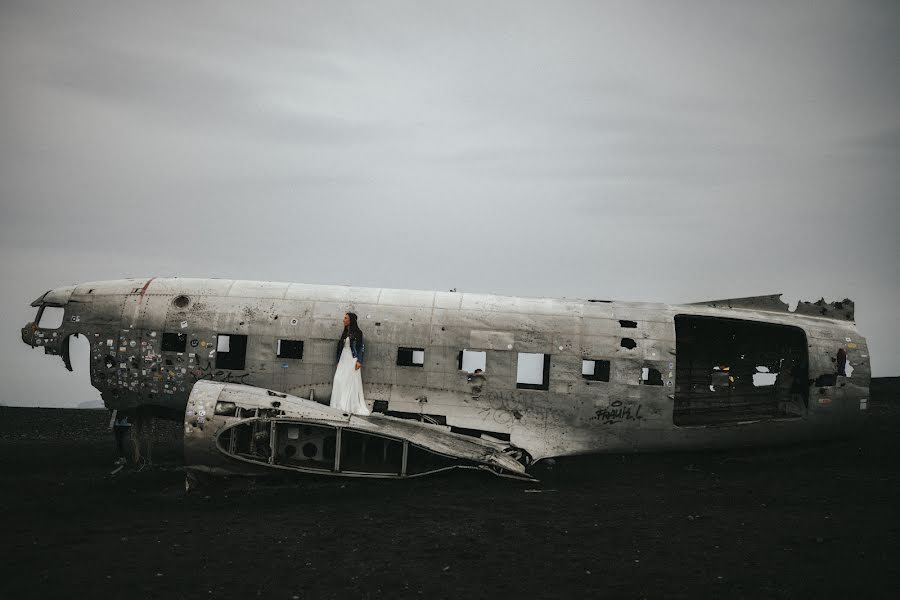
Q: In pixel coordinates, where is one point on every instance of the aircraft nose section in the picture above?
(28, 334)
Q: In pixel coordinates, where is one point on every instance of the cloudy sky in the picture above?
(654, 151)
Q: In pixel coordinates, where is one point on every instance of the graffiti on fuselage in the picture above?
(618, 412)
(209, 372)
(503, 407)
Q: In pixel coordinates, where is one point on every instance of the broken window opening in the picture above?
(225, 409)
(721, 361)
(628, 343)
(595, 369)
(173, 342)
(231, 352)
(410, 357)
(470, 360)
(50, 317)
(289, 349)
(627, 324)
(651, 376)
(533, 371)
(181, 301)
(841, 362)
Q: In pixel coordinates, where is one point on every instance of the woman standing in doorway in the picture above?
(347, 391)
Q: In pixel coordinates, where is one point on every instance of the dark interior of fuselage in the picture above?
(731, 370)
(301, 445)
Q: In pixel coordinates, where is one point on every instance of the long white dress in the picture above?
(347, 391)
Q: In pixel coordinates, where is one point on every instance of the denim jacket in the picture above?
(357, 348)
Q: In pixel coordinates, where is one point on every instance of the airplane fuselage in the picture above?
(559, 377)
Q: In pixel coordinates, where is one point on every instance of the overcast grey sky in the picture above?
(658, 151)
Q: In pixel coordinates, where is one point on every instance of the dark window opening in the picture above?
(628, 324)
(628, 343)
(181, 301)
(841, 362)
(718, 368)
(174, 342)
(289, 349)
(595, 369)
(477, 433)
(424, 418)
(380, 406)
(533, 371)
(827, 380)
(410, 357)
(231, 352)
(651, 376)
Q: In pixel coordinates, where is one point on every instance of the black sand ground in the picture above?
(800, 522)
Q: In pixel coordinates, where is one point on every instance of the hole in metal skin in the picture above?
(51, 317)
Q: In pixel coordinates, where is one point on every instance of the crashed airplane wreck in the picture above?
(455, 379)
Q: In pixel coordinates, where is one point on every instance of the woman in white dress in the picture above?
(347, 390)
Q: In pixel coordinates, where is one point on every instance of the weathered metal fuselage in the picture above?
(153, 339)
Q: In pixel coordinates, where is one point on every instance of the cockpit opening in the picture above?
(50, 317)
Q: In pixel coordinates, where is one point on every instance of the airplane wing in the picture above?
(241, 429)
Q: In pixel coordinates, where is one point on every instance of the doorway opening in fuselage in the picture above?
(76, 355)
(725, 367)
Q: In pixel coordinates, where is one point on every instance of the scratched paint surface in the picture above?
(126, 320)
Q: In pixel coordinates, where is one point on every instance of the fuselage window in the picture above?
(533, 371)
(174, 342)
(289, 349)
(51, 317)
(410, 357)
(595, 369)
(651, 376)
(471, 360)
(231, 352)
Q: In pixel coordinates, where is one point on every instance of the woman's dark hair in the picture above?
(352, 329)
